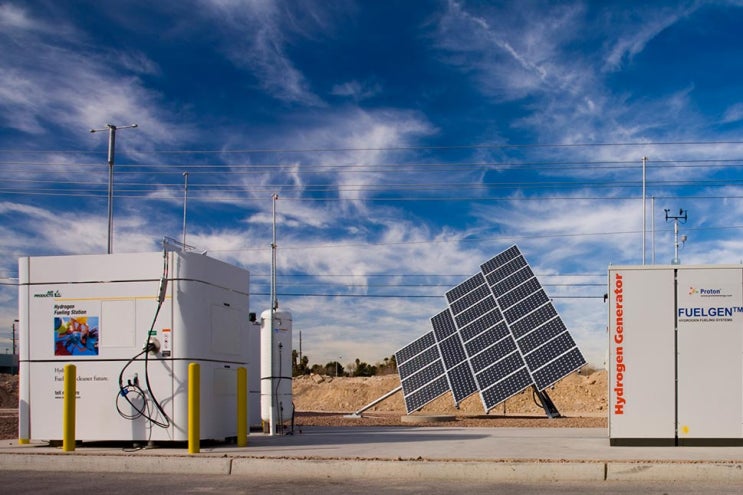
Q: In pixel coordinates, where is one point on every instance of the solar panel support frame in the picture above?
(358, 414)
(549, 407)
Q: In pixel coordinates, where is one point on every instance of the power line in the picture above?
(412, 286)
(406, 275)
(479, 146)
(397, 296)
(319, 167)
(148, 187)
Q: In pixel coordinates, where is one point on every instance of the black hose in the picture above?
(133, 387)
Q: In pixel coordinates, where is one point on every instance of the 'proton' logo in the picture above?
(706, 292)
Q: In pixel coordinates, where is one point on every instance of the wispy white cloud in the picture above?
(53, 78)
(509, 51)
(356, 90)
(137, 63)
(734, 113)
(256, 37)
(535, 53)
(42, 230)
(17, 23)
(368, 137)
(631, 30)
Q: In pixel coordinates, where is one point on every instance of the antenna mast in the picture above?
(111, 152)
(274, 301)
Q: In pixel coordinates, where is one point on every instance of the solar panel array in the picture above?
(499, 335)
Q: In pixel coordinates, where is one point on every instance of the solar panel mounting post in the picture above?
(549, 407)
(358, 413)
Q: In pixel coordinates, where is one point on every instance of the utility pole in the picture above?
(111, 152)
(683, 217)
(185, 202)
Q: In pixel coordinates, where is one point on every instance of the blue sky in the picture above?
(408, 143)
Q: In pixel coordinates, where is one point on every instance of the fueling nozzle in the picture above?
(153, 345)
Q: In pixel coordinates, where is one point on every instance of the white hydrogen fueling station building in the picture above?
(132, 324)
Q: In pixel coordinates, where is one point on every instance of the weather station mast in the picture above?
(111, 152)
(681, 217)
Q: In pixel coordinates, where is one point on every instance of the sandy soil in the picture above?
(8, 406)
(581, 399)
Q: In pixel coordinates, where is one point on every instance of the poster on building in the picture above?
(76, 330)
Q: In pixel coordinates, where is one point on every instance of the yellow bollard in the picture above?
(68, 408)
(242, 407)
(194, 412)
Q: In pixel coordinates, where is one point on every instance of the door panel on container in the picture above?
(710, 342)
(641, 357)
(117, 318)
(225, 330)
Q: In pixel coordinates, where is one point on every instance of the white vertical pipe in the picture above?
(185, 203)
(272, 406)
(644, 215)
(652, 227)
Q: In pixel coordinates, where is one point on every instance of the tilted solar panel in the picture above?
(499, 335)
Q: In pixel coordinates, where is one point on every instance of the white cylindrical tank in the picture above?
(276, 369)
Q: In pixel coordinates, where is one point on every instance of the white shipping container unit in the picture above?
(676, 355)
(98, 312)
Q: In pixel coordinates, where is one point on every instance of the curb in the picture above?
(115, 463)
(674, 471)
(415, 470)
(342, 469)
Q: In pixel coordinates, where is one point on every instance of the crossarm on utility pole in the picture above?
(357, 414)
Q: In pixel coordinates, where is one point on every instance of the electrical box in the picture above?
(676, 355)
(102, 312)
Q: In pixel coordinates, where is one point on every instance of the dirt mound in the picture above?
(9, 402)
(578, 394)
(8, 391)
